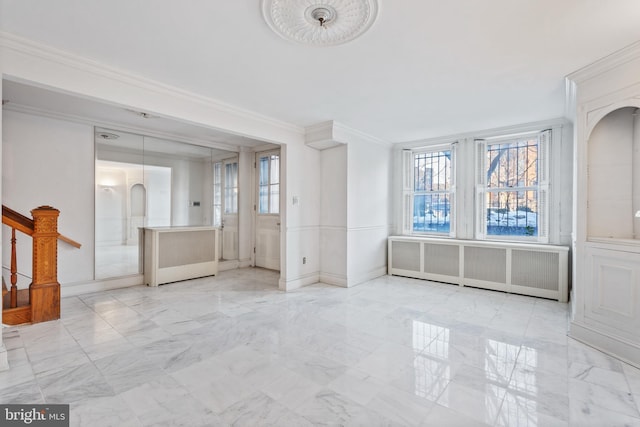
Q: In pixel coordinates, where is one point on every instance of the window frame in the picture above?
(272, 198)
(409, 192)
(542, 187)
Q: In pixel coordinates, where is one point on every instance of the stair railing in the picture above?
(44, 290)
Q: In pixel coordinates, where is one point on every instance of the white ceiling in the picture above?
(426, 68)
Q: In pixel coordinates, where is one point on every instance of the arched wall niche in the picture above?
(595, 116)
(138, 200)
(613, 178)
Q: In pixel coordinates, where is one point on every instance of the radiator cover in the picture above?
(522, 268)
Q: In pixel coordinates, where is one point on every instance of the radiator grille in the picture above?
(406, 255)
(442, 259)
(485, 264)
(535, 269)
(177, 249)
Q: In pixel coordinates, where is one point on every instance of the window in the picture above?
(431, 192)
(269, 183)
(512, 188)
(217, 194)
(231, 188)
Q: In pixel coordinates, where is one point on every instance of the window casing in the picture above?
(512, 188)
(430, 191)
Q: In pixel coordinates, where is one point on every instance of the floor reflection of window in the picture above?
(520, 404)
(432, 370)
(425, 333)
(500, 358)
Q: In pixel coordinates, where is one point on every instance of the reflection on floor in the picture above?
(116, 261)
(233, 350)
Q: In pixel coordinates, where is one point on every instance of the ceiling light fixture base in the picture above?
(319, 22)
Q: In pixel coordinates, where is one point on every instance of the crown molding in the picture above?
(486, 133)
(609, 62)
(332, 134)
(33, 49)
(321, 136)
(351, 134)
(25, 109)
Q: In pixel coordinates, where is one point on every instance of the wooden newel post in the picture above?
(44, 292)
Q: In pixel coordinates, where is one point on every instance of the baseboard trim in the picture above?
(299, 282)
(619, 348)
(334, 279)
(370, 275)
(75, 289)
(228, 265)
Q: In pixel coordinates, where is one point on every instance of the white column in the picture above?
(246, 188)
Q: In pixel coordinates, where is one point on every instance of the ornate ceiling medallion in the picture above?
(320, 22)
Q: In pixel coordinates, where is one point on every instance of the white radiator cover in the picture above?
(172, 254)
(521, 268)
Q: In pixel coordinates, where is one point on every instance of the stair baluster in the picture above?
(14, 271)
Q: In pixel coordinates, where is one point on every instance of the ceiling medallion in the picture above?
(320, 22)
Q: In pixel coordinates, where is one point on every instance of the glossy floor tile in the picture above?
(234, 350)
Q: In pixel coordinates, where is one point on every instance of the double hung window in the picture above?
(512, 188)
(429, 191)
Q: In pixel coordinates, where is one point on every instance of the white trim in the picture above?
(609, 62)
(349, 134)
(320, 136)
(620, 348)
(369, 275)
(486, 133)
(80, 288)
(299, 282)
(334, 279)
(330, 134)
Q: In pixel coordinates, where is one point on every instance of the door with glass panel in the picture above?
(267, 249)
(225, 206)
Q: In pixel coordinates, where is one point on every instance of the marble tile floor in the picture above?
(233, 350)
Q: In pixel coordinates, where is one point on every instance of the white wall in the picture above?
(368, 198)
(51, 162)
(333, 215)
(301, 237)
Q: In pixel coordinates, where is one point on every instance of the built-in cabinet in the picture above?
(606, 288)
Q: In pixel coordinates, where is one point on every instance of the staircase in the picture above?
(41, 301)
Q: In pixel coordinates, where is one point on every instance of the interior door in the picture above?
(225, 206)
(267, 249)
